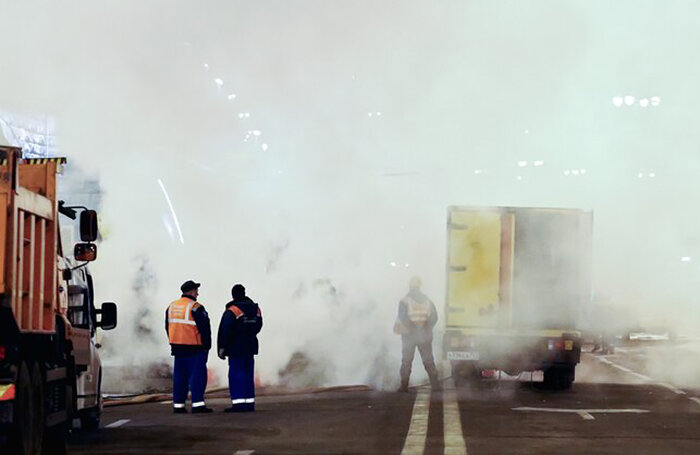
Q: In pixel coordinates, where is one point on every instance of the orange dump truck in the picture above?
(49, 366)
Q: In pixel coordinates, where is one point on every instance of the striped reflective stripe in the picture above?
(178, 405)
(197, 404)
(250, 400)
(238, 401)
(181, 321)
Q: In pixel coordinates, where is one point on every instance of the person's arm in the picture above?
(433, 315)
(224, 332)
(201, 318)
(167, 333)
(259, 324)
(403, 314)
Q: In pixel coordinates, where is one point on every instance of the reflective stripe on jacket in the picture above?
(182, 329)
(418, 312)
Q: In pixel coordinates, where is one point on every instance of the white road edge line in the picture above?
(452, 422)
(695, 399)
(418, 429)
(167, 402)
(672, 388)
(118, 423)
(244, 452)
(586, 414)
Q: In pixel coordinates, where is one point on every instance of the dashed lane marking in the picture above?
(118, 423)
(585, 414)
(418, 429)
(452, 422)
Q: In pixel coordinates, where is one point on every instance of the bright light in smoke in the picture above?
(232, 96)
(652, 175)
(172, 211)
(264, 147)
(640, 175)
(644, 102)
(655, 101)
(478, 171)
(219, 82)
(538, 163)
(256, 133)
(567, 172)
(206, 66)
(686, 259)
(617, 101)
(522, 163)
(392, 263)
(575, 172)
(629, 100)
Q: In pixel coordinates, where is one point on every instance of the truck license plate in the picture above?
(462, 355)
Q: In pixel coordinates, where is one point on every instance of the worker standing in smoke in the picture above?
(415, 321)
(240, 324)
(189, 333)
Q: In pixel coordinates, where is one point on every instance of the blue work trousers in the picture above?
(241, 382)
(190, 374)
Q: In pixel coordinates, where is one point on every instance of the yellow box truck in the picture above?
(518, 285)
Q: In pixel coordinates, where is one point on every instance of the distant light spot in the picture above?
(583, 171)
(218, 82)
(256, 132)
(575, 172)
(629, 100)
(686, 259)
(405, 265)
(206, 66)
(264, 147)
(567, 172)
(522, 163)
(644, 102)
(640, 175)
(478, 171)
(527, 131)
(232, 96)
(617, 101)
(392, 263)
(538, 163)
(655, 101)
(379, 114)
(520, 177)
(241, 115)
(369, 114)
(652, 175)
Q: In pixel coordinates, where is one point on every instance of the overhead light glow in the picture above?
(652, 174)
(522, 163)
(538, 163)
(655, 101)
(218, 82)
(686, 259)
(232, 96)
(644, 102)
(640, 175)
(629, 100)
(617, 101)
(567, 172)
(264, 147)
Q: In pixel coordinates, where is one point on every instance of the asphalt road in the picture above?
(614, 407)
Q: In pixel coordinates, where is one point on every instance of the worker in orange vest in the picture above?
(189, 333)
(415, 321)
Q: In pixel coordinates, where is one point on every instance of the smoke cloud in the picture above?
(309, 149)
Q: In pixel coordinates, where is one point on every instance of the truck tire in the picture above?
(27, 432)
(559, 377)
(90, 418)
(465, 373)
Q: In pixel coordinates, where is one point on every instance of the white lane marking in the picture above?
(672, 388)
(244, 452)
(418, 429)
(166, 402)
(586, 415)
(452, 422)
(695, 399)
(118, 423)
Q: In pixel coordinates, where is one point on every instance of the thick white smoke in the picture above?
(307, 146)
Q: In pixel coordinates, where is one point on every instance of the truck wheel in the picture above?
(27, 433)
(90, 418)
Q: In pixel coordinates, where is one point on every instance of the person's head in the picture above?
(190, 288)
(238, 291)
(414, 283)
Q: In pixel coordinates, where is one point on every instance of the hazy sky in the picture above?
(353, 126)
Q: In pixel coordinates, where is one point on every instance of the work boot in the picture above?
(202, 410)
(179, 410)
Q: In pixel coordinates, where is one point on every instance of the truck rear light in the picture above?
(7, 392)
(2, 352)
(556, 345)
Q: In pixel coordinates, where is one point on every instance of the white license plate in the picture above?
(462, 355)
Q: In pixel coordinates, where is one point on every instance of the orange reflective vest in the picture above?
(182, 329)
(418, 312)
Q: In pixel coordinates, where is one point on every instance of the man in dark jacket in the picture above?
(415, 321)
(237, 340)
(189, 334)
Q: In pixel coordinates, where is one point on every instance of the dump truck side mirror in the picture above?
(86, 252)
(108, 316)
(88, 225)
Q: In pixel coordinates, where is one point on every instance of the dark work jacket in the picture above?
(417, 334)
(201, 318)
(238, 334)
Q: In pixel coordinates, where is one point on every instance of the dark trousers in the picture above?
(241, 382)
(190, 373)
(408, 350)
